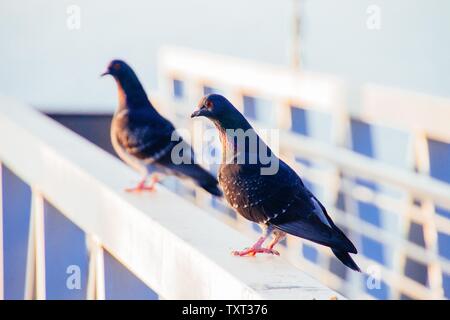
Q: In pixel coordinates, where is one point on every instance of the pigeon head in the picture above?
(131, 92)
(118, 69)
(219, 110)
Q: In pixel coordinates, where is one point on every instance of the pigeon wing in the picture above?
(182, 163)
(281, 200)
(145, 135)
(308, 219)
(255, 196)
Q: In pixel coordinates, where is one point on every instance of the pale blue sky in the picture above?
(46, 64)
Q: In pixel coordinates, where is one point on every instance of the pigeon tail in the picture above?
(200, 176)
(345, 258)
(212, 188)
(205, 180)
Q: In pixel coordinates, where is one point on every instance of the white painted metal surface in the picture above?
(170, 244)
(418, 184)
(35, 269)
(248, 77)
(96, 279)
(416, 112)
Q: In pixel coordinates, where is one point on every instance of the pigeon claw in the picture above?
(141, 189)
(253, 251)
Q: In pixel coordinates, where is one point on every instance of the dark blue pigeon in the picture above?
(276, 198)
(145, 140)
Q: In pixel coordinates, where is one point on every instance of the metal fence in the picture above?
(171, 246)
(378, 157)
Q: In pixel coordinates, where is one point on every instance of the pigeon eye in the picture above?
(208, 104)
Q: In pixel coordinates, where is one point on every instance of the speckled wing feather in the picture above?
(280, 200)
(304, 220)
(149, 137)
(255, 196)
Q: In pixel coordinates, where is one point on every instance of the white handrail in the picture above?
(324, 92)
(171, 245)
(362, 166)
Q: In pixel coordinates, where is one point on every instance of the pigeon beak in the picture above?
(198, 113)
(105, 73)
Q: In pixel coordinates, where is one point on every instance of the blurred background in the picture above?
(360, 90)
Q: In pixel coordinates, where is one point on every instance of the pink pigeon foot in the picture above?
(142, 187)
(253, 251)
(256, 248)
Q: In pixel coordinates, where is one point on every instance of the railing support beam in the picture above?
(35, 287)
(96, 277)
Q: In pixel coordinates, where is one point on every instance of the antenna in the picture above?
(295, 56)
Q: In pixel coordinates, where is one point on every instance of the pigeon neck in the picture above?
(228, 146)
(131, 93)
(232, 134)
(121, 95)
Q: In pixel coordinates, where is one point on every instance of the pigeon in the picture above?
(277, 200)
(147, 141)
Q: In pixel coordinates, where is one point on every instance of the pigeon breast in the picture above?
(141, 138)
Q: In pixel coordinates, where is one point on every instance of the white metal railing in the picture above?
(420, 115)
(171, 245)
